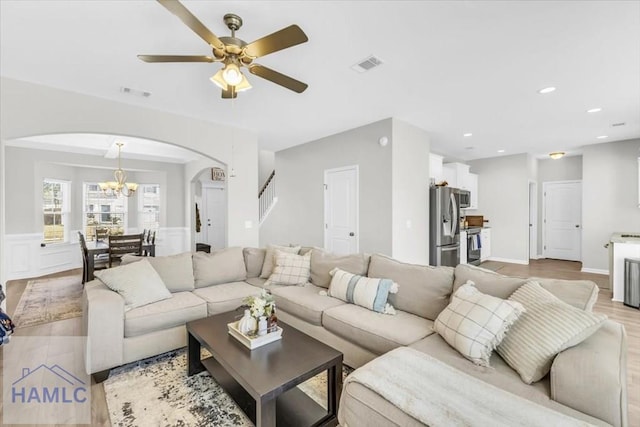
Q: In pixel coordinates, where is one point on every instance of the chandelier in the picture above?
(119, 186)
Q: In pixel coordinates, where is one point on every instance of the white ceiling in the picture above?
(449, 67)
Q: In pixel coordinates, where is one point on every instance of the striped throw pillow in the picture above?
(290, 269)
(366, 292)
(547, 327)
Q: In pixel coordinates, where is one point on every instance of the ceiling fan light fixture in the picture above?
(232, 75)
(243, 85)
(219, 80)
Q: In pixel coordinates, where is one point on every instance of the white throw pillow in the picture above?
(290, 269)
(367, 292)
(138, 283)
(474, 323)
(548, 327)
(269, 258)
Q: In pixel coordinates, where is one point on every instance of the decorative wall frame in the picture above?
(218, 174)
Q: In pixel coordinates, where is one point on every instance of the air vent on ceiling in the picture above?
(618, 124)
(367, 64)
(136, 92)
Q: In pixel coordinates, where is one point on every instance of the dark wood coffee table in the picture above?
(263, 381)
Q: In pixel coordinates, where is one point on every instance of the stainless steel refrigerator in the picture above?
(444, 229)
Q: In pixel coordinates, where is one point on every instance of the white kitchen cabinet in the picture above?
(435, 168)
(485, 241)
(456, 174)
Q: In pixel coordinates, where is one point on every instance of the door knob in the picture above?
(352, 234)
(577, 226)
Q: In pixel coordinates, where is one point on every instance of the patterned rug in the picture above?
(49, 300)
(156, 391)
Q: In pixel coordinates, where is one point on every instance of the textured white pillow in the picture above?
(290, 269)
(548, 327)
(269, 258)
(138, 283)
(176, 271)
(474, 323)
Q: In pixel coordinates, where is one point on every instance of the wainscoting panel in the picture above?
(26, 258)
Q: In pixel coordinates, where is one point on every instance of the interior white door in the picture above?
(562, 220)
(341, 210)
(215, 217)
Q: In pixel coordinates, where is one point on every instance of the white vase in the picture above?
(248, 323)
(262, 325)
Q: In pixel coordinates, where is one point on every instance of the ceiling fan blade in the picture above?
(278, 78)
(229, 93)
(176, 58)
(178, 9)
(287, 37)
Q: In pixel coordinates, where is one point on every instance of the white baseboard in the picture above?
(510, 261)
(595, 271)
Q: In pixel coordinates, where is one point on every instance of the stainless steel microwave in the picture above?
(465, 198)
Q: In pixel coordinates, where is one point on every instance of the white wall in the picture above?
(298, 217)
(410, 193)
(610, 197)
(28, 109)
(503, 199)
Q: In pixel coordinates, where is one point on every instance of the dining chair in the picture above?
(150, 239)
(102, 233)
(124, 244)
(100, 261)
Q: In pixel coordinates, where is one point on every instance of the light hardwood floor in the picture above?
(629, 317)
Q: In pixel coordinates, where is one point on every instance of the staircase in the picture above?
(267, 197)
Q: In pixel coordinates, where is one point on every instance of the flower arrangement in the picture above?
(260, 305)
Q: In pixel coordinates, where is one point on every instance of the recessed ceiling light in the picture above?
(500, 151)
(603, 136)
(594, 110)
(467, 134)
(547, 89)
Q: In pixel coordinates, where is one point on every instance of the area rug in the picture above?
(49, 300)
(156, 391)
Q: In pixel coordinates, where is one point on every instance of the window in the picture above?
(149, 206)
(55, 208)
(102, 214)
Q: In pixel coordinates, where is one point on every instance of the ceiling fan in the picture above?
(235, 53)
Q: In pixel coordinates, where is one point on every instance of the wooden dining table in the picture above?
(102, 247)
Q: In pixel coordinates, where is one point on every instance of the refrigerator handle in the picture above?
(450, 248)
(454, 215)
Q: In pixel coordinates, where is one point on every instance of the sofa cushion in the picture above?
(226, 297)
(474, 323)
(165, 314)
(222, 266)
(422, 290)
(375, 332)
(499, 375)
(176, 271)
(290, 269)
(138, 283)
(487, 281)
(304, 302)
(367, 292)
(269, 258)
(322, 262)
(547, 327)
(253, 260)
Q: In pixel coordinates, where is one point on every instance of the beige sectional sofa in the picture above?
(587, 382)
